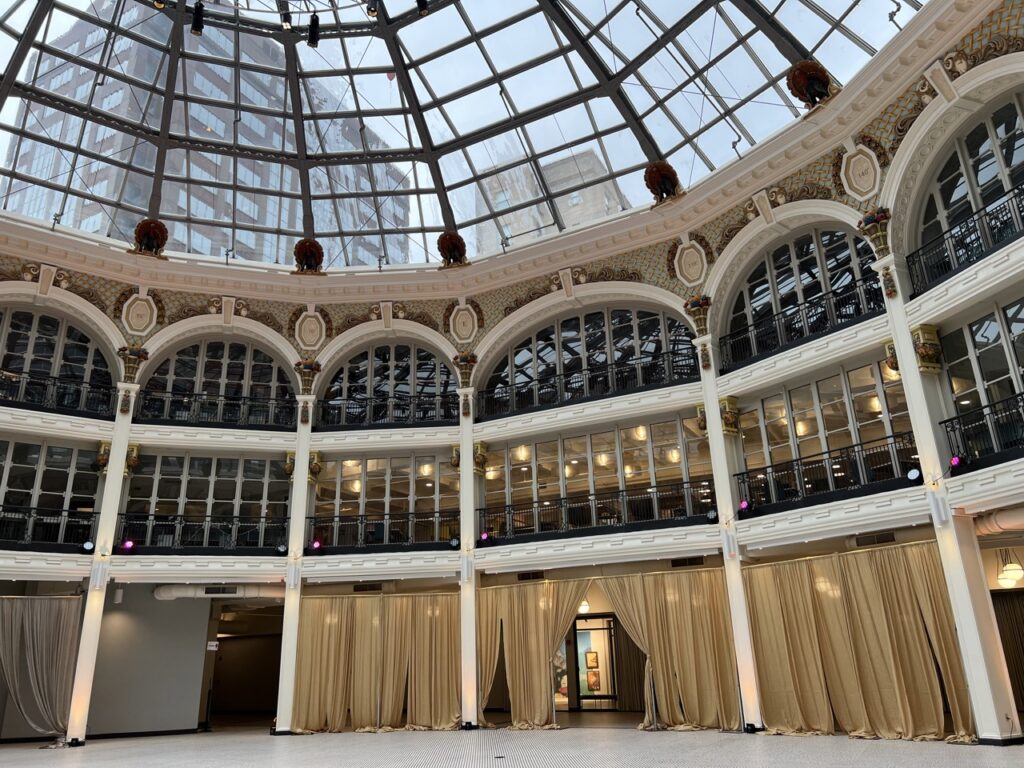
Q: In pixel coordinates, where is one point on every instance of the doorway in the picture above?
(243, 666)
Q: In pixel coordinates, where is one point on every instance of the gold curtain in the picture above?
(626, 595)
(535, 619)
(863, 635)
(1009, 608)
(690, 635)
(489, 610)
(363, 660)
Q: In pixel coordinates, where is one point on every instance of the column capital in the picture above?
(128, 387)
(307, 399)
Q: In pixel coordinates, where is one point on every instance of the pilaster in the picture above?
(468, 576)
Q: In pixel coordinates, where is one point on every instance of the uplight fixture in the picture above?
(197, 19)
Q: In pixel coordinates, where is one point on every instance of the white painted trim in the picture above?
(43, 566)
(196, 569)
(159, 436)
(377, 566)
(358, 442)
(987, 489)
(44, 425)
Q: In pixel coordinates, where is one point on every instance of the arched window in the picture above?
(972, 205)
(592, 354)
(220, 382)
(391, 384)
(808, 285)
(48, 362)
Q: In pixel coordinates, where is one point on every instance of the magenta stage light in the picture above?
(484, 536)
(955, 461)
(316, 544)
(744, 505)
(128, 545)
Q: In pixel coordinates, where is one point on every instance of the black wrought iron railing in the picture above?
(48, 393)
(693, 501)
(987, 435)
(27, 526)
(996, 225)
(816, 317)
(590, 384)
(139, 532)
(365, 412)
(382, 530)
(203, 410)
(868, 467)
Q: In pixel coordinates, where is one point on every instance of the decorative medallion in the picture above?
(139, 314)
(310, 330)
(690, 264)
(861, 173)
(464, 322)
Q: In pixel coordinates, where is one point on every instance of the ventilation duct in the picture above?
(205, 591)
(1004, 521)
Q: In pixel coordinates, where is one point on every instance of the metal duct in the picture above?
(1003, 521)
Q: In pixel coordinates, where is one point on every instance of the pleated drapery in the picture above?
(39, 636)
(490, 607)
(862, 642)
(1009, 608)
(363, 661)
(626, 595)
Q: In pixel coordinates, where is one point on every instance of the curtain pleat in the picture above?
(396, 648)
(40, 633)
(868, 636)
(489, 610)
(628, 601)
(1009, 608)
(435, 667)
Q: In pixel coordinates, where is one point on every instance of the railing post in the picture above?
(723, 461)
(297, 514)
(467, 537)
(981, 649)
(106, 527)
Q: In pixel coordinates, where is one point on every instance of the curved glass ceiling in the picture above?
(509, 120)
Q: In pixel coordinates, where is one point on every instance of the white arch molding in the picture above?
(78, 312)
(732, 266)
(549, 307)
(171, 338)
(344, 345)
(929, 138)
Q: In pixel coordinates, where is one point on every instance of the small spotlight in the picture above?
(281, 549)
(744, 505)
(914, 475)
(712, 515)
(127, 545)
(422, 5)
(484, 536)
(197, 19)
(955, 462)
(88, 547)
(313, 40)
(371, 8)
(286, 21)
(159, 4)
(454, 542)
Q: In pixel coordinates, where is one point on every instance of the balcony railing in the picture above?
(590, 384)
(30, 527)
(47, 393)
(856, 470)
(816, 317)
(367, 412)
(211, 410)
(200, 532)
(998, 224)
(986, 436)
(396, 531)
(594, 513)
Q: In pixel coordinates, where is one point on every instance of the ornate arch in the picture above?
(342, 346)
(169, 340)
(736, 260)
(550, 306)
(923, 148)
(77, 311)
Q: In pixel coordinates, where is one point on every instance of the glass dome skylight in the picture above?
(506, 119)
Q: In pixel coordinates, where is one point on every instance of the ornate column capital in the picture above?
(132, 355)
(307, 368)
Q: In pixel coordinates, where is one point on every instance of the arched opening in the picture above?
(808, 285)
(229, 383)
(591, 354)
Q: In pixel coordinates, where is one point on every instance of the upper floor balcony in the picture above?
(202, 410)
(31, 528)
(202, 532)
(986, 436)
(686, 503)
(856, 470)
(816, 317)
(995, 226)
(590, 383)
(387, 411)
(391, 532)
(50, 393)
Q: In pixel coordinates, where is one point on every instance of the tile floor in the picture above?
(569, 748)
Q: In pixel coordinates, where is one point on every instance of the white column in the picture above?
(981, 648)
(723, 465)
(106, 528)
(297, 512)
(468, 577)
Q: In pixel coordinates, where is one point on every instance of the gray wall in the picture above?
(246, 674)
(149, 671)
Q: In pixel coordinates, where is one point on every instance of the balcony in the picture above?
(997, 225)
(813, 319)
(372, 412)
(590, 384)
(47, 530)
(856, 470)
(986, 436)
(355, 533)
(47, 393)
(199, 410)
(155, 534)
(663, 506)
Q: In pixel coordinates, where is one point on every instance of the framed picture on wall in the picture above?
(593, 680)
(591, 658)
